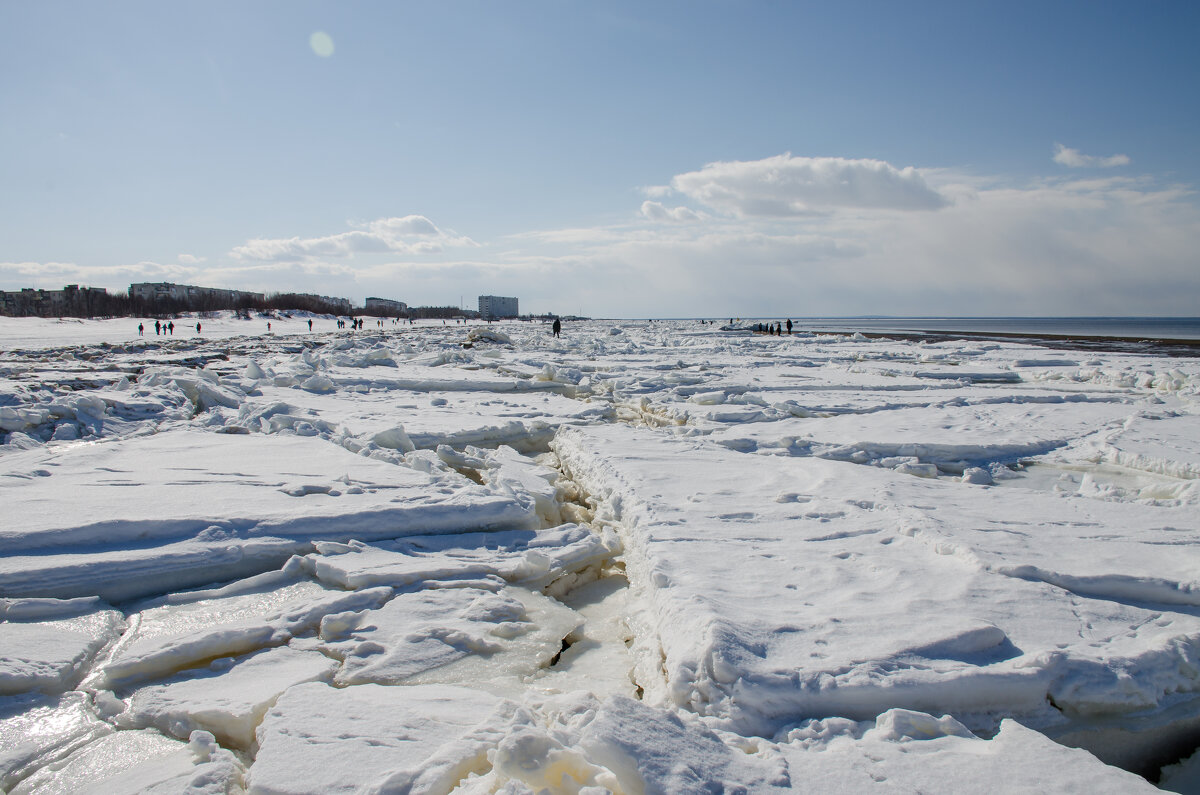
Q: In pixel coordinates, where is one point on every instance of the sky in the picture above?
(699, 158)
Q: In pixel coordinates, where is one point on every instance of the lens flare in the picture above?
(321, 44)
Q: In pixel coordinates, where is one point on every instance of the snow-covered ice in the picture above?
(642, 557)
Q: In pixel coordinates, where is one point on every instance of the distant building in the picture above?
(496, 306)
(385, 306)
(189, 294)
(71, 300)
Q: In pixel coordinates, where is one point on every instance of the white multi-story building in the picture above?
(385, 305)
(496, 306)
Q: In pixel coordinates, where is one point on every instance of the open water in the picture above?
(1176, 328)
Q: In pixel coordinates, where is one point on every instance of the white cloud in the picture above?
(411, 234)
(1050, 246)
(53, 275)
(657, 191)
(787, 186)
(1073, 158)
(655, 211)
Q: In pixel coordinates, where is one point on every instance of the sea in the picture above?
(1149, 328)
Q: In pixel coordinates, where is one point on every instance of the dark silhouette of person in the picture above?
(556, 328)
(789, 325)
(156, 328)
(171, 327)
(310, 325)
(197, 327)
(778, 329)
(141, 329)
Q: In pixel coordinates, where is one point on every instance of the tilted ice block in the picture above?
(1167, 445)
(532, 558)
(171, 635)
(513, 474)
(47, 642)
(211, 512)
(36, 730)
(598, 660)
(318, 739)
(228, 698)
(460, 635)
(134, 762)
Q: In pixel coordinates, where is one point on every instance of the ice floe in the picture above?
(643, 557)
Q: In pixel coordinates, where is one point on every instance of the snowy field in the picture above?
(644, 557)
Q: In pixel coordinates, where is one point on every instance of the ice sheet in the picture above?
(784, 564)
(824, 625)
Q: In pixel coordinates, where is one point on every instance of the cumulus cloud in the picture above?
(785, 186)
(1110, 246)
(1073, 158)
(655, 211)
(411, 234)
(657, 191)
(53, 275)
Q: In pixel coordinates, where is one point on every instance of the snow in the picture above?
(642, 557)
(228, 698)
(320, 739)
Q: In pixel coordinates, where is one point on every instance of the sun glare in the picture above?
(321, 44)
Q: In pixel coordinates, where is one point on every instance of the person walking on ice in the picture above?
(556, 328)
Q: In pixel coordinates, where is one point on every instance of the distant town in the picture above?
(162, 299)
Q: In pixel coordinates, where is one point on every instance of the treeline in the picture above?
(438, 312)
(99, 303)
(295, 302)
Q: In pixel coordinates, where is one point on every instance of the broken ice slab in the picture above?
(132, 762)
(1164, 444)
(951, 437)
(48, 642)
(906, 751)
(458, 635)
(36, 730)
(872, 590)
(596, 658)
(319, 739)
(535, 558)
(179, 631)
(524, 421)
(77, 532)
(227, 698)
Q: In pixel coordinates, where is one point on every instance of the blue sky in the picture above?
(612, 159)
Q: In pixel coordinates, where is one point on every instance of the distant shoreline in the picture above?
(1165, 346)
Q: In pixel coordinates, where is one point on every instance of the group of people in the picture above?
(354, 323)
(775, 328)
(159, 328)
(162, 328)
